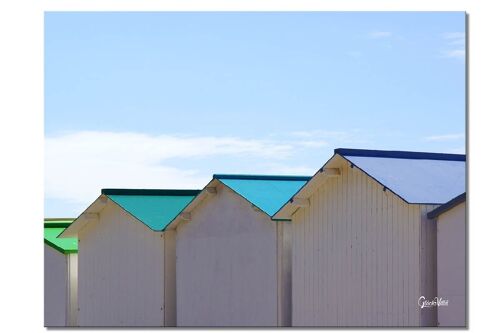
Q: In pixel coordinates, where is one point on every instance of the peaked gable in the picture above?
(418, 178)
(415, 177)
(155, 208)
(268, 193)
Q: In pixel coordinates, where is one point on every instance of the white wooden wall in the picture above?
(284, 262)
(356, 257)
(428, 265)
(451, 266)
(60, 288)
(121, 272)
(227, 265)
(55, 287)
(170, 277)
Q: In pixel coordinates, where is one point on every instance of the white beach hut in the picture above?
(60, 275)
(126, 266)
(233, 265)
(451, 261)
(363, 249)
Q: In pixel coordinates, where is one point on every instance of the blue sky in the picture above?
(164, 100)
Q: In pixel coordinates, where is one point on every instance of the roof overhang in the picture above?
(447, 206)
(185, 215)
(89, 215)
(58, 248)
(300, 199)
(210, 190)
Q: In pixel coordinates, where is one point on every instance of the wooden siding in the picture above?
(170, 276)
(121, 272)
(227, 265)
(451, 260)
(55, 288)
(356, 257)
(428, 264)
(284, 262)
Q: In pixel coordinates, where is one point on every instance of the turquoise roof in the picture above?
(266, 192)
(155, 208)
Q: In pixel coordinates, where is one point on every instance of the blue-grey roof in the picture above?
(266, 192)
(424, 178)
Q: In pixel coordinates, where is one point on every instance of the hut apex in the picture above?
(126, 263)
(233, 260)
(362, 233)
(415, 177)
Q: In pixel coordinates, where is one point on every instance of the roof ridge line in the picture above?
(400, 154)
(261, 177)
(151, 192)
(57, 225)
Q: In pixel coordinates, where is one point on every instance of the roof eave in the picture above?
(202, 195)
(447, 206)
(58, 248)
(400, 154)
(83, 219)
(287, 210)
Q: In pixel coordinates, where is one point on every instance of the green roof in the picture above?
(155, 208)
(53, 228)
(266, 192)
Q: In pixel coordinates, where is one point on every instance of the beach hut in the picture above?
(126, 265)
(60, 274)
(451, 261)
(233, 265)
(363, 248)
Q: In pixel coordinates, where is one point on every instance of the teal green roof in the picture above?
(268, 193)
(155, 208)
(53, 228)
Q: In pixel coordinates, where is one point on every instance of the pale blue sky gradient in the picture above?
(306, 82)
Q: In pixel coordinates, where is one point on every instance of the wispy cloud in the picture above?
(455, 38)
(318, 133)
(455, 44)
(379, 34)
(313, 143)
(278, 168)
(458, 53)
(458, 150)
(445, 137)
(319, 137)
(79, 164)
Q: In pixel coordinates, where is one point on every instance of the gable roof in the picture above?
(447, 206)
(266, 192)
(418, 178)
(52, 228)
(153, 207)
(415, 177)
